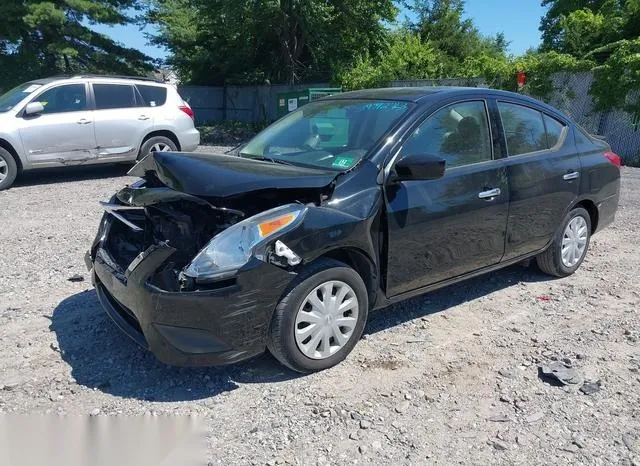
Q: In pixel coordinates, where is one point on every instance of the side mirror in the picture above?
(33, 108)
(419, 167)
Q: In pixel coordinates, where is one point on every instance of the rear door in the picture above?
(544, 170)
(439, 229)
(122, 119)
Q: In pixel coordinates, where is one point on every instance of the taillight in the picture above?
(613, 158)
(186, 109)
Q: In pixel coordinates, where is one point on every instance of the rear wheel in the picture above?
(569, 246)
(8, 169)
(157, 144)
(320, 320)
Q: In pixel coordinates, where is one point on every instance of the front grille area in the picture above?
(123, 243)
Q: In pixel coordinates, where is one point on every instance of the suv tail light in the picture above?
(186, 109)
(613, 158)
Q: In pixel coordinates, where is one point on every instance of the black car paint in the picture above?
(403, 237)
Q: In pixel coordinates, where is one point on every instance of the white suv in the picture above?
(90, 119)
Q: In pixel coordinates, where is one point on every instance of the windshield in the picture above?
(330, 134)
(10, 99)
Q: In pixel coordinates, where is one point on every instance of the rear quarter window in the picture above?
(154, 96)
(555, 130)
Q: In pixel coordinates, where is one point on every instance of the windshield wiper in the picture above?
(262, 158)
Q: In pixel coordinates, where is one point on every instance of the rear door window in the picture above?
(523, 128)
(111, 96)
(154, 96)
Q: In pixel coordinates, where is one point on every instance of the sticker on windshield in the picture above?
(342, 162)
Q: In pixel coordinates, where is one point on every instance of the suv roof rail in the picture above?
(116, 76)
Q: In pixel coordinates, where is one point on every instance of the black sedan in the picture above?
(343, 207)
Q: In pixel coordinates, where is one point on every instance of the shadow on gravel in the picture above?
(76, 173)
(103, 358)
(443, 299)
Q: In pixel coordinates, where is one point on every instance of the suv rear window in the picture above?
(154, 96)
(109, 96)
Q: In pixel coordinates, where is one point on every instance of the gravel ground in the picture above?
(448, 378)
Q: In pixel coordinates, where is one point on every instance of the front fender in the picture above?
(326, 229)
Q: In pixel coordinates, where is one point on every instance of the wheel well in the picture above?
(5, 145)
(362, 264)
(590, 207)
(165, 133)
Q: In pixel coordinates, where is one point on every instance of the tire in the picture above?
(551, 261)
(8, 169)
(156, 141)
(282, 341)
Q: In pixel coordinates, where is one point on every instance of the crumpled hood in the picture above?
(220, 176)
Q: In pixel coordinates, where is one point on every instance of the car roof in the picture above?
(97, 77)
(426, 95)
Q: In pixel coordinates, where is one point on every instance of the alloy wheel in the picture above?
(326, 319)
(574, 241)
(160, 147)
(4, 169)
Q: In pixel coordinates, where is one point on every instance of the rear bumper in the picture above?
(189, 140)
(202, 328)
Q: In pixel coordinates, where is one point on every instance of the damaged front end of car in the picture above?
(191, 264)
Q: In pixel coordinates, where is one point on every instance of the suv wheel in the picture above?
(569, 246)
(157, 144)
(320, 320)
(8, 169)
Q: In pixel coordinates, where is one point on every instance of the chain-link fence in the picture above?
(571, 96)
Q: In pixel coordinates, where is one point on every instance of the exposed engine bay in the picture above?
(183, 221)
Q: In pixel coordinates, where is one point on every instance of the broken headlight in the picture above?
(232, 248)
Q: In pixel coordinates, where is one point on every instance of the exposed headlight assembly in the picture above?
(233, 247)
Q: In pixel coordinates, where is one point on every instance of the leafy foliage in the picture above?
(272, 40)
(42, 38)
(604, 34)
(540, 66)
(617, 80)
(438, 44)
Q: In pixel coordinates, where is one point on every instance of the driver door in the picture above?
(443, 228)
(64, 131)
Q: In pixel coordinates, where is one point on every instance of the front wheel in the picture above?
(8, 169)
(320, 320)
(569, 246)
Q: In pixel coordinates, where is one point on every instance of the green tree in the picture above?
(277, 41)
(604, 34)
(407, 57)
(437, 43)
(41, 38)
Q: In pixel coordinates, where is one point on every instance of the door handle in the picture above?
(143, 117)
(83, 121)
(571, 176)
(490, 194)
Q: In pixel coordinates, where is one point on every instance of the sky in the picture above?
(518, 19)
